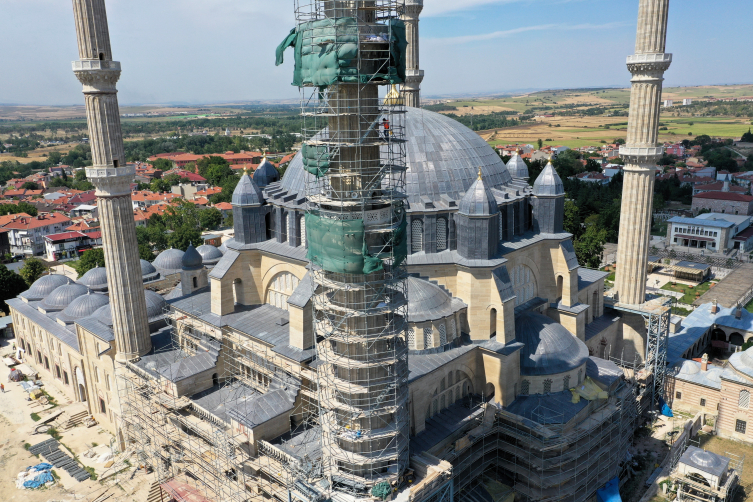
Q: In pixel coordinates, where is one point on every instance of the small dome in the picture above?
(548, 183)
(191, 259)
(64, 295)
(147, 269)
(478, 200)
(428, 301)
(247, 193)
(689, 368)
(705, 458)
(210, 255)
(517, 167)
(155, 304)
(266, 173)
(95, 279)
(84, 306)
(45, 285)
(549, 348)
(169, 259)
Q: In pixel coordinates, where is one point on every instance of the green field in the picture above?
(689, 291)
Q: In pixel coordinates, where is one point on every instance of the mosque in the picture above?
(508, 340)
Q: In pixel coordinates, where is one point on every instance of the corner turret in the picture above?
(478, 222)
(548, 202)
(248, 212)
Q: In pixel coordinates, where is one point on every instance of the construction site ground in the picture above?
(122, 482)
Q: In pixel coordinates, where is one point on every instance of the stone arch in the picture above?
(736, 338)
(524, 281)
(560, 285)
(492, 321)
(489, 390)
(718, 334)
(279, 289)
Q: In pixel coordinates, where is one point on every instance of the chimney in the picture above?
(714, 307)
(739, 311)
(705, 362)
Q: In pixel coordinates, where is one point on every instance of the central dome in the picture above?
(549, 348)
(443, 158)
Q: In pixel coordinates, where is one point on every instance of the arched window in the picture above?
(493, 322)
(107, 382)
(303, 231)
(547, 386)
(417, 236)
(441, 234)
(280, 289)
(195, 282)
(411, 338)
(580, 376)
(525, 387)
(442, 335)
(428, 342)
(443, 402)
(560, 282)
(566, 382)
(451, 329)
(744, 400)
(285, 227)
(523, 284)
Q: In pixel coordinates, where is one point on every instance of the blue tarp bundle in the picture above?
(40, 479)
(610, 492)
(665, 409)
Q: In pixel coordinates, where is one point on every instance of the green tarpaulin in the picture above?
(339, 245)
(381, 490)
(326, 50)
(315, 159)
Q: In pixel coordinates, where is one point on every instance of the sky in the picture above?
(219, 51)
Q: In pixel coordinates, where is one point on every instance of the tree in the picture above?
(30, 185)
(32, 270)
(11, 285)
(54, 158)
(185, 235)
(80, 175)
(572, 218)
(162, 164)
(210, 218)
(747, 137)
(21, 207)
(159, 185)
(92, 258)
(540, 142)
(589, 247)
(145, 252)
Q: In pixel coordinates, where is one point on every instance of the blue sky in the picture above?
(209, 51)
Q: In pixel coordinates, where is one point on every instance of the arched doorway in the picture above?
(736, 339)
(719, 334)
(82, 393)
(489, 391)
(215, 380)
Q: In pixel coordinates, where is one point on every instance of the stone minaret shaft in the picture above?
(99, 73)
(413, 75)
(641, 152)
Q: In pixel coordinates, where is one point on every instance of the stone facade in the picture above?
(724, 202)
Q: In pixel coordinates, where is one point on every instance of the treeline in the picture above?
(494, 120)
(720, 108)
(200, 145)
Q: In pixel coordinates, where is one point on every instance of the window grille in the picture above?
(427, 338)
(525, 387)
(703, 402)
(453, 332)
(303, 232)
(441, 234)
(744, 400)
(442, 335)
(566, 382)
(740, 426)
(678, 395)
(417, 236)
(411, 338)
(547, 385)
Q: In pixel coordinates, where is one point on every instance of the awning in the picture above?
(695, 238)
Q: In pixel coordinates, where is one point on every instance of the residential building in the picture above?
(713, 231)
(84, 210)
(687, 101)
(70, 244)
(26, 233)
(723, 202)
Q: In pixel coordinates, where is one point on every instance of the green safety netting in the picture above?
(339, 245)
(315, 159)
(381, 490)
(325, 51)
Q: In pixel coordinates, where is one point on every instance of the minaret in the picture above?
(99, 73)
(413, 76)
(640, 151)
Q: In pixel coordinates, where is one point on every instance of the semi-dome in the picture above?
(442, 155)
(549, 348)
(63, 295)
(689, 368)
(43, 286)
(95, 279)
(266, 173)
(247, 193)
(223, 248)
(155, 304)
(517, 167)
(191, 259)
(210, 255)
(169, 259)
(478, 200)
(429, 301)
(548, 183)
(84, 306)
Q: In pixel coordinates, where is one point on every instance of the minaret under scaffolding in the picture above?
(641, 151)
(413, 75)
(99, 73)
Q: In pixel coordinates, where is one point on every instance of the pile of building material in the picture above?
(51, 452)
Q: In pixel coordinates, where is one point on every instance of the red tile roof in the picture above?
(27, 223)
(731, 196)
(64, 236)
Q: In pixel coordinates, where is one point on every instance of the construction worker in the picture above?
(386, 126)
(2, 387)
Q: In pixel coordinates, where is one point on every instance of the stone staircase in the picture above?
(155, 494)
(73, 416)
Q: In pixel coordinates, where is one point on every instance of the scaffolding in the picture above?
(354, 149)
(545, 457)
(656, 314)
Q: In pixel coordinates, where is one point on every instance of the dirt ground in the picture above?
(17, 429)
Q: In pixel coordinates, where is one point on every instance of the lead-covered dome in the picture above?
(95, 278)
(155, 308)
(443, 158)
(148, 272)
(548, 183)
(478, 200)
(429, 301)
(266, 173)
(43, 286)
(191, 259)
(517, 167)
(210, 255)
(84, 306)
(247, 193)
(170, 260)
(549, 348)
(62, 296)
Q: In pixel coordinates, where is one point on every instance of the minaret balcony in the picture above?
(649, 58)
(95, 64)
(641, 154)
(111, 181)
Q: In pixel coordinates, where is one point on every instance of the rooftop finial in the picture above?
(479, 174)
(550, 160)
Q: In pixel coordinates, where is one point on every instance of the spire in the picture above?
(549, 183)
